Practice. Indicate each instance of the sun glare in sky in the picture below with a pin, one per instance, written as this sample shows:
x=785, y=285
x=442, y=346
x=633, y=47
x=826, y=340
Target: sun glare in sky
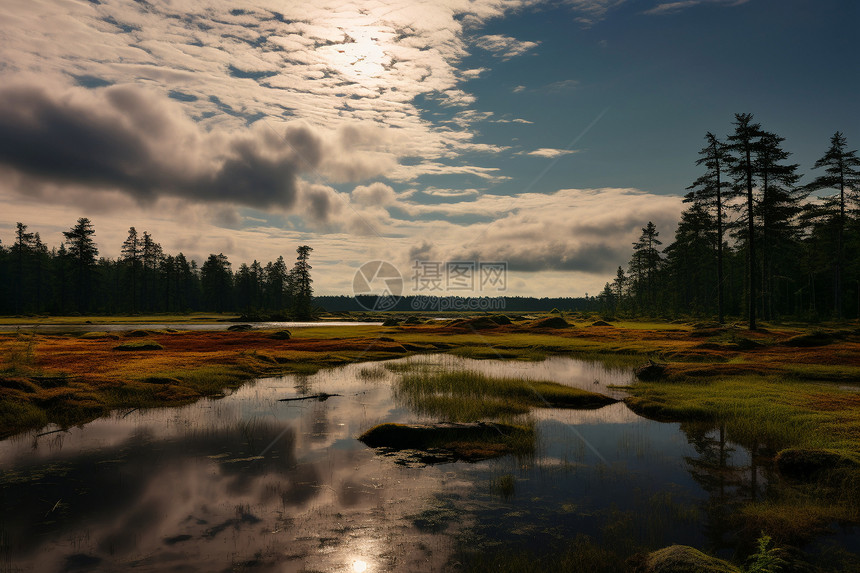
x=361, y=55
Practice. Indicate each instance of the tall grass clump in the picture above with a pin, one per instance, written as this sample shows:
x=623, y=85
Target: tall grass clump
x=463, y=396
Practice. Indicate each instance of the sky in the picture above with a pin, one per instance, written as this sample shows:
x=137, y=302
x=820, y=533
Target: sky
x=538, y=135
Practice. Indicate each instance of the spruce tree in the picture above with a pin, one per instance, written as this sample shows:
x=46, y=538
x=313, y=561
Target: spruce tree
x=842, y=172
x=743, y=144
x=83, y=251
x=711, y=190
x=302, y=284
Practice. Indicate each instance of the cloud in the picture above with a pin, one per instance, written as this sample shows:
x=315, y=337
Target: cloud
x=325, y=66
x=563, y=86
x=551, y=153
x=505, y=47
x=450, y=192
x=133, y=140
x=570, y=230
x=374, y=194
x=675, y=7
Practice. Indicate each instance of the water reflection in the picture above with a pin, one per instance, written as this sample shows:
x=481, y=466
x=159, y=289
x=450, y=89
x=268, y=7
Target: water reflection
x=250, y=482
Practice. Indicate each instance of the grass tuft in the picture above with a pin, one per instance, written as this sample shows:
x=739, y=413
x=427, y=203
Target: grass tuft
x=463, y=396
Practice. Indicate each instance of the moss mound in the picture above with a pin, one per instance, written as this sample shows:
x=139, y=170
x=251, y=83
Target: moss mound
x=810, y=339
x=98, y=336
x=480, y=322
x=239, y=328
x=551, y=322
x=600, y=323
x=281, y=335
x=807, y=464
x=390, y=322
x=139, y=345
x=137, y=334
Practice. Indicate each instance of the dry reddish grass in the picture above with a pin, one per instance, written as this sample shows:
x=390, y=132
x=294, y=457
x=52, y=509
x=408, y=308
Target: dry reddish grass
x=54, y=372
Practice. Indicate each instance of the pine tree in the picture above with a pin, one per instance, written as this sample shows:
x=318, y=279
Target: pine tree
x=302, y=284
x=777, y=209
x=150, y=257
x=83, y=251
x=691, y=282
x=131, y=251
x=216, y=279
x=842, y=172
x=645, y=264
x=743, y=144
x=711, y=190
x=21, y=251
x=41, y=262
x=619, y=285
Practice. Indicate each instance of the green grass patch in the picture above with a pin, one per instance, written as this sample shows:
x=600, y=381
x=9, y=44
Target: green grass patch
x=771, y=414
x=463, y=396
x=760, y=409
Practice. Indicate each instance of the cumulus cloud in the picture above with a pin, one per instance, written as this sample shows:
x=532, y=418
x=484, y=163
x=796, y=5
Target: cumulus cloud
x=126, y=138
x=374, y=194
x=136, y=141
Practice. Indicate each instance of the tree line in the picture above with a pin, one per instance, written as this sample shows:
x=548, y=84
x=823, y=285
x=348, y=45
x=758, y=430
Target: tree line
x=754, y=242
x=72, y=278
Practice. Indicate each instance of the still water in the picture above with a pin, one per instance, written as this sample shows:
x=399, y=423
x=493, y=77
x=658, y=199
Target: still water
x=249, y=483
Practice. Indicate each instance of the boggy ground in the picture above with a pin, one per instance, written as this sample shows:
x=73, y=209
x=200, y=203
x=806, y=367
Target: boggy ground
x=791, y=394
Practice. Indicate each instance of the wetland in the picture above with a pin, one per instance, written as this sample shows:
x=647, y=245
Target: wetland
x=184, y=458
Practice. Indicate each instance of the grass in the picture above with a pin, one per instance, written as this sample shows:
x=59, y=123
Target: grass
x=70, y=380
x=771, y=413
x=775, y=410
x=465, y=396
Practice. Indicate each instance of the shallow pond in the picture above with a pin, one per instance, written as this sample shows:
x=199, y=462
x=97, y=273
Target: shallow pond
x=250, y=483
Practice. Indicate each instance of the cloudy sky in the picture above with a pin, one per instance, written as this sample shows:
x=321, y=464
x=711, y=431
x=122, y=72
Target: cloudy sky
x=539, y=134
